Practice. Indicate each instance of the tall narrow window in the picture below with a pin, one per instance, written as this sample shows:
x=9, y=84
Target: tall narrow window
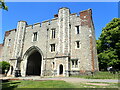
x=52, y=47
x=76, y=63
x=52, y=33
x=35, y=36
x=9, y=42
x=77, y=29
x=72, y=64
x=77, y=44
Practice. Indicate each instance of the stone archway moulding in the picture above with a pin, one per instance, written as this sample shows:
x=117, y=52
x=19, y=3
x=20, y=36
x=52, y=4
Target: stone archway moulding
x=26, y=55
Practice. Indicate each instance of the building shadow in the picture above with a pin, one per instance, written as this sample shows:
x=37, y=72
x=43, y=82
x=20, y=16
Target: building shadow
x=8, y=85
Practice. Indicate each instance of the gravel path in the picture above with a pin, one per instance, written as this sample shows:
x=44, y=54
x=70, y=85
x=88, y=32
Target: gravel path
x=67, y=79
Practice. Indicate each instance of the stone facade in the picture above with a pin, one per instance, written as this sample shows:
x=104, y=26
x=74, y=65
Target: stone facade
x=64, y=45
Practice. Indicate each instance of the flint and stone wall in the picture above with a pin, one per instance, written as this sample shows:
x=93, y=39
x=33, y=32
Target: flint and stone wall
x=18, y=44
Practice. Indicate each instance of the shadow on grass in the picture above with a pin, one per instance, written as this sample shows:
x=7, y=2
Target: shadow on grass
x=8, y=85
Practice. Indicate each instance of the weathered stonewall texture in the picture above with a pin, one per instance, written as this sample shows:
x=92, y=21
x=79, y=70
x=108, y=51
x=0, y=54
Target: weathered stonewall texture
x=70, y=37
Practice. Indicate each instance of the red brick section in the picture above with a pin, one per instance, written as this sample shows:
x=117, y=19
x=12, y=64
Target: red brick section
x=92, y=54
x=56, y=15
x=86, y=17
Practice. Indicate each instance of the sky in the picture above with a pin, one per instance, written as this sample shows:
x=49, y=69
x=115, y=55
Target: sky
x=34, y=12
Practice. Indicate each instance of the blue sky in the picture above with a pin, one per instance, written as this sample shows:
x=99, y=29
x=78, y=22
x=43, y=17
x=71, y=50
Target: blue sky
x=33, y=12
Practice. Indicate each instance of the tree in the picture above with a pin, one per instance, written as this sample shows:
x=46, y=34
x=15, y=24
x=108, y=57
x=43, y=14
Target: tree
x=2, y=5
x=108, y=45
x=4, y=66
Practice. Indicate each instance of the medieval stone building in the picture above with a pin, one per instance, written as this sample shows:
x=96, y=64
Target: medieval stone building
x=64, y=45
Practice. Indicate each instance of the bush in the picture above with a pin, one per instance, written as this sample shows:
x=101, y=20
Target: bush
x=4, y=66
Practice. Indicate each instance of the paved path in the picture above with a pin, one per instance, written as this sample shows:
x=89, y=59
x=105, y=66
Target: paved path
x=67, y=79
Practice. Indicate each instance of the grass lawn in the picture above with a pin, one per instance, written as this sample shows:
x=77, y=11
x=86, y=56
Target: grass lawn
x=100, y=75
x=41, y=84
x=96, y=85
x=44, y=84
x=58, y=84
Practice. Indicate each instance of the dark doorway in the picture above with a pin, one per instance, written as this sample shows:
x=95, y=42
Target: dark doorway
x=61, y=69
x=34, y=64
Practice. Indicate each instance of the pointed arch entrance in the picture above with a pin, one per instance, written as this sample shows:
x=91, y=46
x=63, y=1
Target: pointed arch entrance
x=34, y=64
x=33, y=58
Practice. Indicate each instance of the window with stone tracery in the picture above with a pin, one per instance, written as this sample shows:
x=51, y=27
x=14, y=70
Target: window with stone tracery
x=74, y=63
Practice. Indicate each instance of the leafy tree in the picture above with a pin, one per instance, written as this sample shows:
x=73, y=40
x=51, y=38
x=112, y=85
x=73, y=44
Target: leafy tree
x=2, y=5
x=108, y=45
x=4, y=66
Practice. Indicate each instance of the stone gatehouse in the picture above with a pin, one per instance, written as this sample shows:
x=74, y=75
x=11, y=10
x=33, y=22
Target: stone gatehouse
x=62, y=46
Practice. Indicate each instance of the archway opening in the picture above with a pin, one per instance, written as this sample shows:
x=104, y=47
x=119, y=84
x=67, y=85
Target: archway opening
x=61, y=69
x=34, y=64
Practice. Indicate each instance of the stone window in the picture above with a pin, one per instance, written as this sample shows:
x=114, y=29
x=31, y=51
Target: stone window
x=53, y=64
x=52, y=47
x=74, y=63
x=9, y=42
x=78, y=44
x=52, y=33
x=77, y=29
x=70, y=26
x=35, y=36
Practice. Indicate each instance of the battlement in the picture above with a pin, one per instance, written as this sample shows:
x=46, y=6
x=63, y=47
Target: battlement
x=84, y=15
x=29, y=27
x=8, y=32
x=73, y=14
x=46, y=22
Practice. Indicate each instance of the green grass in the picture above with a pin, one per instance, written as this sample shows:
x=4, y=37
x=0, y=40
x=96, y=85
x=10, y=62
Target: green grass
x=100, y=75
x=44, y=84
x=55, y=84
x=84, y=85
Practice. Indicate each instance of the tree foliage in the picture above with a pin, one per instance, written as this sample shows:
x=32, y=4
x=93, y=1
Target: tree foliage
x=108, y=45
x=2, y=5
x=4, y=66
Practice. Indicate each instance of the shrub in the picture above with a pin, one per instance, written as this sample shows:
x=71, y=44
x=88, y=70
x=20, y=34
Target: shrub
x=4, y=66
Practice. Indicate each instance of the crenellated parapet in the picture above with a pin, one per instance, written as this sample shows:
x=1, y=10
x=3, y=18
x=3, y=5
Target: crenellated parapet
x=42, y=24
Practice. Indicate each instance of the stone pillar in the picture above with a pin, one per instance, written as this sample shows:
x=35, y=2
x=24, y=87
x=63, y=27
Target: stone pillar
x=19, y=42
x=63, y=32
